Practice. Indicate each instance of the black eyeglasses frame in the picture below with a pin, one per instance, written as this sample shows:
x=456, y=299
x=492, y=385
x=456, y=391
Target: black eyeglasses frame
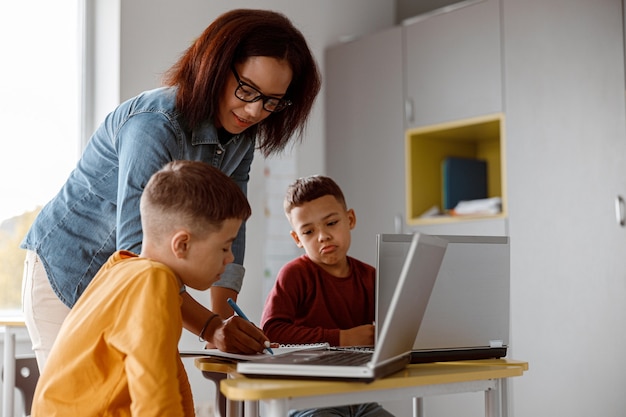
x=281, y=103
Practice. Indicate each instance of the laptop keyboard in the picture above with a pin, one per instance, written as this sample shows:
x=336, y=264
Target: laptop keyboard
x=340, y=357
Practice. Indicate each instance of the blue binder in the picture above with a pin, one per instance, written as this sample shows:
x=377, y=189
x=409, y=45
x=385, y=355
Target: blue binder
x=463, y=179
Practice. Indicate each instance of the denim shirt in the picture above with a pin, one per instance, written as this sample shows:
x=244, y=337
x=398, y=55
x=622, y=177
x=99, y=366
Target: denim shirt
x=96, y=211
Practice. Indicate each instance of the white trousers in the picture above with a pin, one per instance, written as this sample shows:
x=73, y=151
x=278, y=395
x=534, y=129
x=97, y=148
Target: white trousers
x=43, y=310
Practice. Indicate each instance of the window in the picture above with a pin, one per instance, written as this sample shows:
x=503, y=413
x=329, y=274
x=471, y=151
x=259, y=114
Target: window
x=39, y=115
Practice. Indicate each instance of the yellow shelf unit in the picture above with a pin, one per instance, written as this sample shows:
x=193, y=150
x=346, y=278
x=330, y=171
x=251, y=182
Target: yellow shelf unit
x=426, y=148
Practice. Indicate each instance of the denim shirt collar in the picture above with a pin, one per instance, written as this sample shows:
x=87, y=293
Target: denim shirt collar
x=206, y=134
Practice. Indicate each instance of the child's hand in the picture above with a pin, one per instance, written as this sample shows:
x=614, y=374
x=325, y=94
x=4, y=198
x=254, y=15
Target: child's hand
x=237, y=335
x=357, y=336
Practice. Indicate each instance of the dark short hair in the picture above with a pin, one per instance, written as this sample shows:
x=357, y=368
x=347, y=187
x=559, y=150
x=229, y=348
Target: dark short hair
x=201, y=73
x=196, y=192
x=310, y=188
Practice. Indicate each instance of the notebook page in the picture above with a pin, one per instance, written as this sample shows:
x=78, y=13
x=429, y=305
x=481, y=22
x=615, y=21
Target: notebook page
x=281, y=350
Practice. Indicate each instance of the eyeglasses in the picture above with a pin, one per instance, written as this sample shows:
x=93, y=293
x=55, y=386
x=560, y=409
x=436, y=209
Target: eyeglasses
x=245, y=92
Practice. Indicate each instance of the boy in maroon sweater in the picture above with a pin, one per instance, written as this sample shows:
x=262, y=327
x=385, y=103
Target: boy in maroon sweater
x=324, y=295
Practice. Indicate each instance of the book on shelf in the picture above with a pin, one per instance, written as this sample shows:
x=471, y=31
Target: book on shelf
x=463, y=179
x=281, y=350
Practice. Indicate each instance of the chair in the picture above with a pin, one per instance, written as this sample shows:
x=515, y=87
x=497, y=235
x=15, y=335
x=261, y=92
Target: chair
x=26, y=377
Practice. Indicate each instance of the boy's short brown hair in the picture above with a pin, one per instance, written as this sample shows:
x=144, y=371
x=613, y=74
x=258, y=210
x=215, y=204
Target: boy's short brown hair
x=310, y=188
x=194, y=194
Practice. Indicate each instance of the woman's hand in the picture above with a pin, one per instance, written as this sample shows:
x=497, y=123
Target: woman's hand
x=236, y=335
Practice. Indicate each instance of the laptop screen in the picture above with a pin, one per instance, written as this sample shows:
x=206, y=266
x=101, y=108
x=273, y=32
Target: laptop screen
x=469, y=305
x=413, y=281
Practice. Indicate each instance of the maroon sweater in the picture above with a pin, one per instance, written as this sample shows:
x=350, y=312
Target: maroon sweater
x=308, y=305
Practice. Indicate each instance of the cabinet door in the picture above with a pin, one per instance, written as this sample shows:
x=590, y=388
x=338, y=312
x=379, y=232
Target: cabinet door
x=453, y=64
x=364, y=133
x=566, y=136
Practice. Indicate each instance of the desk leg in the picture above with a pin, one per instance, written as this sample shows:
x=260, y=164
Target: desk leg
x=276, y=408
x=492, y=400
x=418, y=407
x=233, y=408
x=504, y=395
x=220, y=400
x=251, y=409
x=9, y=373
x=225, y=408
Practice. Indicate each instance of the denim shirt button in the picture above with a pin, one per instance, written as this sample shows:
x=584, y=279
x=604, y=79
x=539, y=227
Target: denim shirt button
x=219, y=151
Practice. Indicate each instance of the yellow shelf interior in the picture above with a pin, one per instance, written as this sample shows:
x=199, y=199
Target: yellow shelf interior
x=427, y=147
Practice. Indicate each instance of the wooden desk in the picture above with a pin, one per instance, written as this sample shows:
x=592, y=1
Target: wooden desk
x=416, y=381
x=7, y=324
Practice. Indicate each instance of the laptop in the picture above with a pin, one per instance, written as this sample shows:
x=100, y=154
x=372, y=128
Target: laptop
x=468, y=313
x=415, y=279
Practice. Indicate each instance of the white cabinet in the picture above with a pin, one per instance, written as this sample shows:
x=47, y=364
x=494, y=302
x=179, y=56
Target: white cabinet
x=453, y=64
x=453, y=94
x=566, y=151
x=364, y=131
x=446, y=74
x=555, y=70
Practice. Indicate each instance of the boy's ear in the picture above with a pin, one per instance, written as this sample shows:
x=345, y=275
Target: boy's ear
x=351, y=218
x=295, y=238
x=180, y=244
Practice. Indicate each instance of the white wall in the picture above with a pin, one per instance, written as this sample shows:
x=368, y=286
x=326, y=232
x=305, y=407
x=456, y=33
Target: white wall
x=136, y=41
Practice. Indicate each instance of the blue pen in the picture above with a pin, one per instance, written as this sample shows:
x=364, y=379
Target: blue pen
x=240, y=313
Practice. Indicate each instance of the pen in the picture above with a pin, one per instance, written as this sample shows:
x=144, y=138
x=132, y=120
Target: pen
x=243, y=316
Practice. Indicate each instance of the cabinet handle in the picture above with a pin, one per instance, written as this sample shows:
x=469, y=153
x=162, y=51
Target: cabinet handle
x=398, y=224
x=620, y=212
x=408, y=110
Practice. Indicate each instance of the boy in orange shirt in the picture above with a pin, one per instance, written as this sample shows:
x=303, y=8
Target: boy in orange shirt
x=117, y=351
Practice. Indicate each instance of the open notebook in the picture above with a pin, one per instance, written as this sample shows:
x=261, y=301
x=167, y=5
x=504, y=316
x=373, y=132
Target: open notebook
x=281, y=350
x=392, y=353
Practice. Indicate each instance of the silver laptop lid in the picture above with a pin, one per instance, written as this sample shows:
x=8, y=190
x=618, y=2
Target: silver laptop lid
x=415, y=278
x=469, y=304
x=417, y=275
